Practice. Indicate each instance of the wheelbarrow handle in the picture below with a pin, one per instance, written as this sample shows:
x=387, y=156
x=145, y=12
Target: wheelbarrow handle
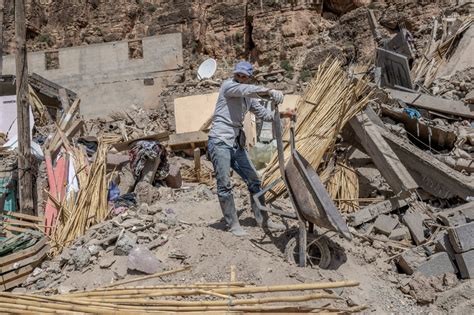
x=279, y=138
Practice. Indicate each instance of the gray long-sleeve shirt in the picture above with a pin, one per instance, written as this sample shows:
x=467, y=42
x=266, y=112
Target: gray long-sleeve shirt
x=234, y=101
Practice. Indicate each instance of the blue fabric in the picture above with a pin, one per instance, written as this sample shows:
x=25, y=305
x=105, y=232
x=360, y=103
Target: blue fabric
x=225, y=157
x=244, y=67
x=114, y=191
x=413, y=113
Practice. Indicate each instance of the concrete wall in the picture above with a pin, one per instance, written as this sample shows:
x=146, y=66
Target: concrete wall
x=104, y=76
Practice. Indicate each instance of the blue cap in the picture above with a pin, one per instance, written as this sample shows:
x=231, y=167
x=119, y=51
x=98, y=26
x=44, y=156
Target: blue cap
x=244, y=67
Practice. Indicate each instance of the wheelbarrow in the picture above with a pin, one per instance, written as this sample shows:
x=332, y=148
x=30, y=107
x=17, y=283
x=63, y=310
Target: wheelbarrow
x=312, y=204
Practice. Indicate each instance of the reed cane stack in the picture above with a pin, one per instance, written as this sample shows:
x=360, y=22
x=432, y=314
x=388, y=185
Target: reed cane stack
x=342, y=185
x=89, y=206
x=192, y=298
x=329, y=102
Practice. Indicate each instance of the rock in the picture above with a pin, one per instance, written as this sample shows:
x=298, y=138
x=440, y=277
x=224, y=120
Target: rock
x=142, y=259
x=125, y=243
x=450, y=280
x=147, y=193
x=119, y=268
x=399, y=234
x=411, y=259
x=94, y=249
x=64, y=258
x=64, y=289
x=174, y=179
x=80, y=257
x=106, y=262
x=161, y=227
x=154, y=209
x=421, y=289
x=132, y=223
x=414, y=222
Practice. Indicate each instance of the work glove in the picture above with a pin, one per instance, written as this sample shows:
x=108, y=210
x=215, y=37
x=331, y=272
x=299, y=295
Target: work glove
x=277, y=96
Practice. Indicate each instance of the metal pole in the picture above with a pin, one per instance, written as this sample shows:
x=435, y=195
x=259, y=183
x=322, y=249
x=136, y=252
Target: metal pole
x=25, y=178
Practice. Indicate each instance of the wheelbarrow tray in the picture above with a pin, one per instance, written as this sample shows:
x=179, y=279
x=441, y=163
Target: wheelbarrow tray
x=312, y=200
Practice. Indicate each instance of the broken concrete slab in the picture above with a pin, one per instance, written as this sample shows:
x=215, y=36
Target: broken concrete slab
x=436, y=265
x=385, y=224
x=414, y=221
x=433, y=103
x=382, y=154
x=106, y=262
x=462, y=237
x=465, y=263
x=372, y=211
x=432, y=175
x=457, y=216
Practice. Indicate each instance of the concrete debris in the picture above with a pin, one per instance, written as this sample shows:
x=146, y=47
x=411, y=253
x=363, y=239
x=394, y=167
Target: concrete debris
x=106, y=262
x=385, y=224
x=143, y=260
x=414, y=221
x=80, y=257
x=399, y=234
x=125, y=243
x=465, y=263
x=462, y=237
x=437, y=264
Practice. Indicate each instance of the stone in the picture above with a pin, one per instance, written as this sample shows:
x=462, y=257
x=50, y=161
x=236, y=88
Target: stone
x=443, y=244
x=462, y=237
x=142, y=259
x=161, y=227
x=154, y=209
x=399, y=234
x=414, y=221
x=469, y=98
x=437, y=264
x=64, y=289
x=421, y=290
x=146, y=193
x=385, y=224
x=80, y=257
x=64, y=258
x=411, y=259
x=131, y=223
x=465, y=263
x=174, y=179
x=119, y=268
x=125, y=243
x=106, y=262
x=94, y=249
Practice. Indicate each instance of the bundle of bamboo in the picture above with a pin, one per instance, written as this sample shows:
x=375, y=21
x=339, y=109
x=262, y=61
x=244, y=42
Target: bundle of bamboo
x=342, y=185
x=328, y=103
x=89, y=205
x=437, y=52
x=218, y=298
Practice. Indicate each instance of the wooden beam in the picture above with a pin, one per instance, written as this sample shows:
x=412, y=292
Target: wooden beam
x=2, y=7
x=188, y=140
x=25, y=172
x=197, y=163
x=382, y=154
x=433, y=103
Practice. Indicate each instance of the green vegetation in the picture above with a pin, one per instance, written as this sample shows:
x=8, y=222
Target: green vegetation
x=305, y=75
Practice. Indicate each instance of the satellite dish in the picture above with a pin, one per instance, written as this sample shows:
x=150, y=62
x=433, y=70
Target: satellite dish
x=207, y=69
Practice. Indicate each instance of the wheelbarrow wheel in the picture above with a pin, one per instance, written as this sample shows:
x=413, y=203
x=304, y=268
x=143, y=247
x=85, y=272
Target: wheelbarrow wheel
x=317, y=250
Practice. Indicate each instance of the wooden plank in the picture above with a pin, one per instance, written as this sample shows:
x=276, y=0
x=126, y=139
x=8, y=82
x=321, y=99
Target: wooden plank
x=122, y=146
x=187, y=140
x=23, y=216
x=384, y=157
x=20, y=223
x=197, y=163
x=16, y=229
x=395, y=68
x=15, y=274
x=433, y=103
x=25, y=175
x=23, y=253
x=14, y=283
x=432, y=175
x=34, y=259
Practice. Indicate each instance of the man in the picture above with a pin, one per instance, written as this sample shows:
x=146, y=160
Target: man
x=226, y=144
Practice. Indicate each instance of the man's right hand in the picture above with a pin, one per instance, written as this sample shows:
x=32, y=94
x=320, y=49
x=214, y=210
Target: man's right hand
x=277, y=96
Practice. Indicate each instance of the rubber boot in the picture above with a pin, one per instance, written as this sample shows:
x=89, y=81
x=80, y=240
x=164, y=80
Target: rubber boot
x=262, y=218
x=230, y=215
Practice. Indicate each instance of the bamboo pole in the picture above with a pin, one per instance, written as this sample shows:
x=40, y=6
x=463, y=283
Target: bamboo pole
x=156, y=275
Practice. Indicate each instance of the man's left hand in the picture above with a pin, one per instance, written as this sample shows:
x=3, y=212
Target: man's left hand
x=288, y=113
